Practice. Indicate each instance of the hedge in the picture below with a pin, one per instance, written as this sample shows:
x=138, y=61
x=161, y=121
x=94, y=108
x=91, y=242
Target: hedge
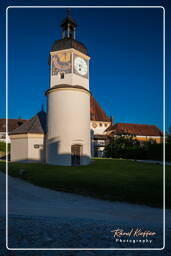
x=3, y=146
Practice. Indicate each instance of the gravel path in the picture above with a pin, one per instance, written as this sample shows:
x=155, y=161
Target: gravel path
x=42, y=218
x=153, y=162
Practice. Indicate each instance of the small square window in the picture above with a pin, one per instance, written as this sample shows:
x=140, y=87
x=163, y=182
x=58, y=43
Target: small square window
x=101, y=124
x=36, y=146
x=62, y=75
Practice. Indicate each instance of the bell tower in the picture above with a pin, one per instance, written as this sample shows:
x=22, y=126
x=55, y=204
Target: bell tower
x=68, y=26
x=68, y=136
x=69, y=58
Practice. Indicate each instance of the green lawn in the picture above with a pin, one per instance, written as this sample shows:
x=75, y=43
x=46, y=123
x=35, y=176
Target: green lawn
x=111, y=179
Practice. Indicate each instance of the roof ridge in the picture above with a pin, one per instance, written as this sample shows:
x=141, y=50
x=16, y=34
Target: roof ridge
x=138, y=124
x=37, y=124
x=97, y=111
x=32, y=122
x=14, y=119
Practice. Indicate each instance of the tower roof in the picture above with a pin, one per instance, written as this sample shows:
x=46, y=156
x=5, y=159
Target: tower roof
x=68, y=40
x=37, y=124
x=67, y=43
x=96, y=112
x=68, y=21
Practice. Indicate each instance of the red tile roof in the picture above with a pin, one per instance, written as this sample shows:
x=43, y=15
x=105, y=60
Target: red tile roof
x=37, y=124
x=96, y=112
x=136, y=129
x=12, y=124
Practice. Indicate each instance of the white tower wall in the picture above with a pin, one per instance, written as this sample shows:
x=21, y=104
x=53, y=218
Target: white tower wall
x=71, y=79
x=68, y=124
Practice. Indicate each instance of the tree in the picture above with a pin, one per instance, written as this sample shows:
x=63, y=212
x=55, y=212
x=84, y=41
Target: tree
x=168, y=136
x=124, y=145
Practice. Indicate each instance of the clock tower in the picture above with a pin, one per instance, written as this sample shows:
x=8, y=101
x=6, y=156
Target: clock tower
x=68, y=126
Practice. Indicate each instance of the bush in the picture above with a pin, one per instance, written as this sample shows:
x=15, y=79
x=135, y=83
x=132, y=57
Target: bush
x=3, y=146
x=135, y=152
x=155, y=151
x=168, y=152
x=125, y=146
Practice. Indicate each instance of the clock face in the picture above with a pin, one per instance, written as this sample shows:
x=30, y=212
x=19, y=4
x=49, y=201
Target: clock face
x=80, y=66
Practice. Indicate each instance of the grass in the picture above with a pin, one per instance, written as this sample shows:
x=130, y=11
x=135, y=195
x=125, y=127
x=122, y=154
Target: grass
x=110, y=179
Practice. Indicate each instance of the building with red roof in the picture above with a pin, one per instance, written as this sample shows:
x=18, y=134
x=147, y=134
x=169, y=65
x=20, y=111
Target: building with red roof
x=75, y=127
x=101, y=127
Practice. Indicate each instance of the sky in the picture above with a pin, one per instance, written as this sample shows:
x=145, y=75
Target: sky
x=126, y=65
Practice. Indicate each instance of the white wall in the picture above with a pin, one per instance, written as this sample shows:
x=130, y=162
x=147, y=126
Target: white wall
x=36, y=154
x=23, y=150
x=71, y=79
x=19, y=149
x=4, y=138
x=68, y=124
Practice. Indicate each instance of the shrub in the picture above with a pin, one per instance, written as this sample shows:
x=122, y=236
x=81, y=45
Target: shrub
x=124, y=146
x=155, y=151
x=168, y=152
x=3, y=146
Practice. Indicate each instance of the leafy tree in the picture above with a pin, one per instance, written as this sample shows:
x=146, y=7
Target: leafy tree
x=124, y=145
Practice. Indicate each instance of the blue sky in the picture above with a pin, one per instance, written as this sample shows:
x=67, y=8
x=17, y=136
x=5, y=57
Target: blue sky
x=125, y=46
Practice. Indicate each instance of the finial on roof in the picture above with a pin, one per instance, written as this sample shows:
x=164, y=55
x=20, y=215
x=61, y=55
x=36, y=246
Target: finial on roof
x=68, y=26
x=68, y=11
x=111, y=119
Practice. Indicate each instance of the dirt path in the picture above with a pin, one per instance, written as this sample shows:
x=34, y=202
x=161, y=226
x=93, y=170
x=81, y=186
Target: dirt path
x=27, y=199
x=49, y=215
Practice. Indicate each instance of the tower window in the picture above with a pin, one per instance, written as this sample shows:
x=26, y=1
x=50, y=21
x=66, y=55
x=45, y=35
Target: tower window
x=36, y=146
x=62, y=75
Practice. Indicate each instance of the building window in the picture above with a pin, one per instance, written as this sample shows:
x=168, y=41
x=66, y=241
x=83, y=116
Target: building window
x=105, y=125
x=62, y=75
x=36, y=146
x=101, y=124
x=94, y=125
